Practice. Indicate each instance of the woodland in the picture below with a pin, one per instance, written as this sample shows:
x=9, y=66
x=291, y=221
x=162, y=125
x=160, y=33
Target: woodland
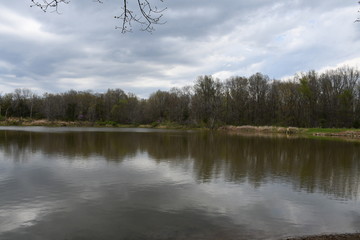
x=311, y=99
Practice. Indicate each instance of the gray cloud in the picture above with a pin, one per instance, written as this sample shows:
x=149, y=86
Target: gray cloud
x=80, y=48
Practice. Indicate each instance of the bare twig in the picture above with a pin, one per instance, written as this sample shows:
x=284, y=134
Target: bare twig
x=358, y=20
x=45, y=5
x=148, y=15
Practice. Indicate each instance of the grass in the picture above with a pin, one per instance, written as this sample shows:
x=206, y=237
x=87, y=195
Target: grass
x=315, y=133
x=330, y=130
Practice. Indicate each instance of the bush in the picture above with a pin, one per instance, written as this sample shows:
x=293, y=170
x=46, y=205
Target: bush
x=154, y=124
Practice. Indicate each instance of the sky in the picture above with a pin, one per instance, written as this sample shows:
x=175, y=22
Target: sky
x=80, y=49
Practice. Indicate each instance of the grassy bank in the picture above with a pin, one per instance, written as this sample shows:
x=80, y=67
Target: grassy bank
x=58, y=123
x=306, y=132
x=345, y=132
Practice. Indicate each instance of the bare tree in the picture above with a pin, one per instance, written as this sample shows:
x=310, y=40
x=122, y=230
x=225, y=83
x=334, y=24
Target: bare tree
x=146, y=15
x=1, y=100
x=45, y=5
x=358, y=19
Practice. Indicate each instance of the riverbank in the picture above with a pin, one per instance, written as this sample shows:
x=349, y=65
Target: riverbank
x=350, y=236
x=263, y=129
x=58, y=123
x=293, y=131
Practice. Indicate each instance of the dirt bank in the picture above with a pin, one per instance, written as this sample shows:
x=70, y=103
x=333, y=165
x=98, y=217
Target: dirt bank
x=353, y=236
x=346, y=134
x=262, y=129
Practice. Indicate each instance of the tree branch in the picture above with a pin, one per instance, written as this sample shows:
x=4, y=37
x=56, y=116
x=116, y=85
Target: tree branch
x=146, y=15
x=358, y=20
x=45, y=5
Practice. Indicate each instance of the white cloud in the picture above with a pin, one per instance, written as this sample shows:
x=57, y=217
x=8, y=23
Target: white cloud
x=223, y=74
x=12, y=23
x=355, y=63
x=199, y=13
x=6, y=65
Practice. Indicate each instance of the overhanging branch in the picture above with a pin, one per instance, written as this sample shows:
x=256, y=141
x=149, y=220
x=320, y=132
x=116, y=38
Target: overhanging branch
x=146, y=15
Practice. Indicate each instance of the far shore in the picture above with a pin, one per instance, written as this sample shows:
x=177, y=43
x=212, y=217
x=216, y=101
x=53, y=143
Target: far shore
x=294, y=131
x=241, y=130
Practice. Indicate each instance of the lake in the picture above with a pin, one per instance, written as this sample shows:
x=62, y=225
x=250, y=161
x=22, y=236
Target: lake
x=111, y=183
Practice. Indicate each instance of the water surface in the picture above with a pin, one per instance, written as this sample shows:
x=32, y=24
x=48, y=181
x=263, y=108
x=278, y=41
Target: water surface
x=87, y=183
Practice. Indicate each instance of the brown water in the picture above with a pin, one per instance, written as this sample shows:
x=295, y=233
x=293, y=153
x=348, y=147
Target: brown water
x=84, y=183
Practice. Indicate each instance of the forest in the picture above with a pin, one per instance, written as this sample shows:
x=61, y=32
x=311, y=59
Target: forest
x=310, y=99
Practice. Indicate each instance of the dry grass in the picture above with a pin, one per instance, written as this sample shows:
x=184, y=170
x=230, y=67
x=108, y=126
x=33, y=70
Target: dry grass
x=42, y=122
x=261, y=129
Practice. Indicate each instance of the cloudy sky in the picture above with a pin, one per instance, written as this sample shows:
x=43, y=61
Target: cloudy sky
x=80, y=48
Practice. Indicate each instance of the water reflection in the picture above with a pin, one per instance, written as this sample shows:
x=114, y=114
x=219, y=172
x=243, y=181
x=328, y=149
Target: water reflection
x=331, y=167
x=73, y=184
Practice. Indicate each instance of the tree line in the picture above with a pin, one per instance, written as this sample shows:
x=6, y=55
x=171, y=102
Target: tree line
x=311, y=99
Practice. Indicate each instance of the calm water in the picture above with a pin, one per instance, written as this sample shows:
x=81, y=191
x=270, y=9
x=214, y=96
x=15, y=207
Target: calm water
x=71, y=183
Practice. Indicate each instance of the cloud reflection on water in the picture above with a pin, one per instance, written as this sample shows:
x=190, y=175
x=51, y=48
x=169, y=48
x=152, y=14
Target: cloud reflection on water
x=174, y=185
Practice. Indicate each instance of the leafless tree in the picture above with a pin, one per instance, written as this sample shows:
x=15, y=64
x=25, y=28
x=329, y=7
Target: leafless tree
x=358, y=20
x=146, y=15
x=46, y=5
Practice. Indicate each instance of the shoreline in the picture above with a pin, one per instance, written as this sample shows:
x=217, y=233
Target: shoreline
x=333, y=133
x=342, y=236
x=325, y=133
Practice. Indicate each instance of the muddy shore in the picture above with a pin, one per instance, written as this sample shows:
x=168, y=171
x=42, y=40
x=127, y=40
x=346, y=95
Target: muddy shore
x=352, y=236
